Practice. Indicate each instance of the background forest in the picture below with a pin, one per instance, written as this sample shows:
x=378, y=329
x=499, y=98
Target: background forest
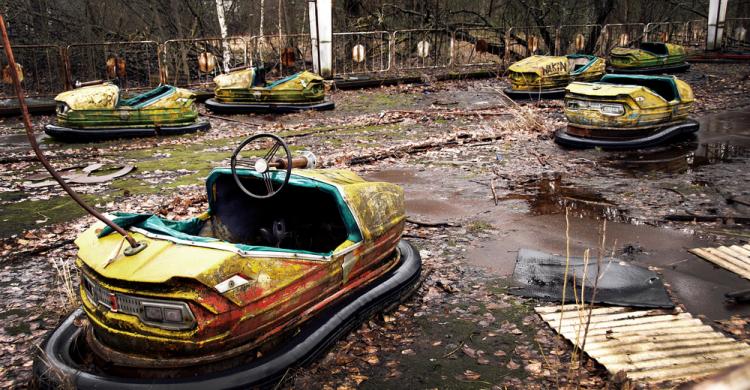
x=67, y=21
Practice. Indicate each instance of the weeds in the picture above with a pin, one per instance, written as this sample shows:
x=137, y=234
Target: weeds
x=66, y=286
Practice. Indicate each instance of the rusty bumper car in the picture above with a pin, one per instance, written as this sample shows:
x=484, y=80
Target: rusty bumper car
x=245, y=91
x=282, y=264
x=97, y=112
x=649, y=58
x=626, y=112
x=545, y=77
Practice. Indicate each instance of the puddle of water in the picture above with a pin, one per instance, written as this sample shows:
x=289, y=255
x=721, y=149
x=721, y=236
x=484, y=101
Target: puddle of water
x=723, y=137
x=696, y=283
x=551, y=196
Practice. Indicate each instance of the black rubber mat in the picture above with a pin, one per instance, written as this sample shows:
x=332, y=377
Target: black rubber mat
x=541, y=275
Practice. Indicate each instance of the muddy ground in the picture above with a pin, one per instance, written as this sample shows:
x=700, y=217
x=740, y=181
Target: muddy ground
x=448, y=144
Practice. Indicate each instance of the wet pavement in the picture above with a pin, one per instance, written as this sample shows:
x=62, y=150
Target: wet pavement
x=468, y=243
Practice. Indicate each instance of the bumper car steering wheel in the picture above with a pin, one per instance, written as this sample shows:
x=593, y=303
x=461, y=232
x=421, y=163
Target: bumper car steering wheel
x=268, y=150
x=270, y=156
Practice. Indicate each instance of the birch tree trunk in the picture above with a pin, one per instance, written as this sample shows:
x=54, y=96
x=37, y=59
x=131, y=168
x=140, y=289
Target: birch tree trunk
x=223, y=30
x=262, y=16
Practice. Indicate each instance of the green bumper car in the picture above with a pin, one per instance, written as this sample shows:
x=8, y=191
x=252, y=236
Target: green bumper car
x=245, y=91
x=97, y=112
x=649, y=58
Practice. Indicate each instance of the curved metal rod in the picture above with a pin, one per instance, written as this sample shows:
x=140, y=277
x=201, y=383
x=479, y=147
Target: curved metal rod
x=35, y=145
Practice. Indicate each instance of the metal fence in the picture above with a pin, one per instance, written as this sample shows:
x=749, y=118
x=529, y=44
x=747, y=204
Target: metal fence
x=577, y=39
x=422, y=49
x=195, y=62
x=135, y=65
x=41, y=69
x=361, y=52
x=736, y=37
x=522, y=42
x=478, y=47
x=49, y=69
x=281, y=55
x=695, y=35
x=667, y=32
x=624, y=34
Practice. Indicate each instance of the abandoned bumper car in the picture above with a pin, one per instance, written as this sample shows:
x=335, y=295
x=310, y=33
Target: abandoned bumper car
x=97, y=112
x=626, y=112
x=540, y=77
x=282, y=264
x=648, y=58
x=246, y=91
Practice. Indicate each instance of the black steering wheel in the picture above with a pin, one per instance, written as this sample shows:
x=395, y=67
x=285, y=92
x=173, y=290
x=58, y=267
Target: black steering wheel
x=264, y=149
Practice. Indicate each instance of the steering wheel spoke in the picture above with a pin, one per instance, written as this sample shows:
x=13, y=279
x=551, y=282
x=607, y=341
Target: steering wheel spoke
x=268, y=182
x=264, y=166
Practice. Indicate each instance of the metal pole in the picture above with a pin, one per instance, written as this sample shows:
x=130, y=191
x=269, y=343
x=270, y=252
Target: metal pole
x=135, y=247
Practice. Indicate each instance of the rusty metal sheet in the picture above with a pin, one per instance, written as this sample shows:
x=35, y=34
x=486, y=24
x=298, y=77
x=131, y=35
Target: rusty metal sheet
x=734, y=258
x=650, y=346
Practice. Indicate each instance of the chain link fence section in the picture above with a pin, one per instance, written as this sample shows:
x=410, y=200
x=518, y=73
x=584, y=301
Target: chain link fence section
x=736, y=37
x=135, y=65
x=479, y=47
x=281, y=55
x=666, y=32
x=361, y=52
x=195, y=62
x=522, y=42
x=422, y=49
x=695, y=35
x=619, y=35
x=41, y=68
x=577, y=39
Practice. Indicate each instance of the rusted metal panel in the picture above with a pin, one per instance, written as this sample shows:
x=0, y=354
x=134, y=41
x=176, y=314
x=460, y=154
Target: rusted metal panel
x=734, y=258
x=652, y=346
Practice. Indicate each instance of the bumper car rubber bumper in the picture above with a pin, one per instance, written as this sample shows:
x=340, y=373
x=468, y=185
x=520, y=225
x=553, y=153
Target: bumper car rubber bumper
x=105, y=133
x=265, y=108
x=673, y=68
x=554, y=93
x=55, y=366
x=661, y=136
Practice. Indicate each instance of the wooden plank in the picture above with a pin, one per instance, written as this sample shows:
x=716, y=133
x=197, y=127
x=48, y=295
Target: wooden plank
x=736, y=254
x=663, y=343
x=665, y=333
x=555, y=319
x=729, y=258
x=741, y=249
x=675, y=361
x=639, y=328
x=615, y=325
x=719, y=262
x=687, y=372
x=650, y=345
x=645, y=358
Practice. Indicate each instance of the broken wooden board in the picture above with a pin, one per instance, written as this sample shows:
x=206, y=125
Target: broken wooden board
x=734, y=258
x=650, y=346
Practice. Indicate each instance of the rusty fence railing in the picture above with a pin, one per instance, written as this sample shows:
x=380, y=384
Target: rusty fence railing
x=621, y=34
x=281, y=55
x=696, y=32
x=135, y=64
x=42, y=71
x=195, y=62
x=522, y=42
x=478, y=47
x=736, y=36
x=667, y=32
x=422, y=49
x=49, y=69
x=577, y=39
x=361, y=52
